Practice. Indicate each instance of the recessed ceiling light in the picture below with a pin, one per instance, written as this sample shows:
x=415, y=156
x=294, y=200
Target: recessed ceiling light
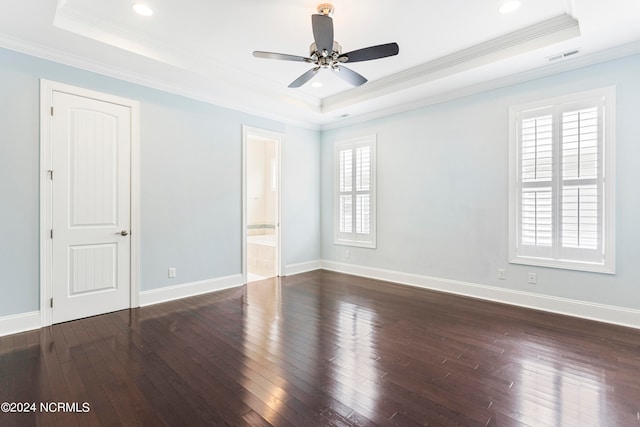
x=142, y=9
x=509, y=6
x=316, y=84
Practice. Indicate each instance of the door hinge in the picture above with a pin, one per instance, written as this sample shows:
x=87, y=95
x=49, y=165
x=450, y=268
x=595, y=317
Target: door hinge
x=51, y=233
x=52, y=110
x=51, y=303
x=50, y=174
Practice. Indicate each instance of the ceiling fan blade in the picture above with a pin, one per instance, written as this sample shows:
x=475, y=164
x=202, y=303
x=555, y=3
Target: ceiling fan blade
x=372, y=52
x=350, y=76
x=323, y=32
x=281, y=56
x=304, y=78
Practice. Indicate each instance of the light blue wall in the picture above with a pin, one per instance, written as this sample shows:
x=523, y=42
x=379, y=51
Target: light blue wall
x=442, y=186
x=190, y=182
x=19, y=197
x=302, y=186
x=443, y=189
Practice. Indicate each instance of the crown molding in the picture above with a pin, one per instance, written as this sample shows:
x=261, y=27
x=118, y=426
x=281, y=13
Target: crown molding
x=310, y=112
x=539, y=35
x=610, y=54
x=62, y=57
x=183, y=57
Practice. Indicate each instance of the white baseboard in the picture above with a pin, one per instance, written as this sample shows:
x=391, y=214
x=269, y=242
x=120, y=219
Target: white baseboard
x=587, y=310
x=303, y=267
x=604, y=313
x=19, y=323
x=170, y=293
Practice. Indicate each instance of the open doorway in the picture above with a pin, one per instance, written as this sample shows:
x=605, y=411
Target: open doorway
x=261, y=204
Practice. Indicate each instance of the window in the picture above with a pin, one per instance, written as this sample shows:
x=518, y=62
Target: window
x=561, y=182
x=355, y=206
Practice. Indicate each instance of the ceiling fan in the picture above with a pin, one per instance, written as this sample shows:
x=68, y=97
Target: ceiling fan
x=325, y=52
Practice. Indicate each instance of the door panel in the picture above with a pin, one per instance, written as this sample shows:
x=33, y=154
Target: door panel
x=92, y=268
x=93, y=169
x=91, y=206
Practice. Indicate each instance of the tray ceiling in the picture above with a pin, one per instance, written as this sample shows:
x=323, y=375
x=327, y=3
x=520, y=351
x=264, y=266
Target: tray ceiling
x=202, y=49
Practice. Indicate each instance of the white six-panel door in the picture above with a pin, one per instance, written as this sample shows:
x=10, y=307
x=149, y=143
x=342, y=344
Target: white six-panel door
x=91, y=206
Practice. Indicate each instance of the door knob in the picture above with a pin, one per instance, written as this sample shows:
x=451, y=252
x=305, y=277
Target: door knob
x=123, y=233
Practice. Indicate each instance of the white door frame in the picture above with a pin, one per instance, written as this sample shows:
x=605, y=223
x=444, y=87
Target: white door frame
x=47, y=88
x=279, y=139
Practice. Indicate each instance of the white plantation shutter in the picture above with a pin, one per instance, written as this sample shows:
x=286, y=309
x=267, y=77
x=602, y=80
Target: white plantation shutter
x=345, y=165
x=363, y=188
x=536, y=202
x=536, y=217
x=346, y=214
x=355, y=197
x=582, y=186
x=561, y=203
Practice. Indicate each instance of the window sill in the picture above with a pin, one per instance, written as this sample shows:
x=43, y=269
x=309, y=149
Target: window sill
x=565, y=265
x=355, y=243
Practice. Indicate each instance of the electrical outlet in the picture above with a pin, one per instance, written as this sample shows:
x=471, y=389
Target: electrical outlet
x=172, y=273
x=502, y=274
x=347, y=253
x=532, y=278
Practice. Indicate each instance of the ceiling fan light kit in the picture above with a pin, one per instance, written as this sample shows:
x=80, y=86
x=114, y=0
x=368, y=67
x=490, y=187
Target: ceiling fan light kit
x=325, y=52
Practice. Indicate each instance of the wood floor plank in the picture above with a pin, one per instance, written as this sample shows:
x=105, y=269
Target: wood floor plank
x=95, y=393
x=326, y=349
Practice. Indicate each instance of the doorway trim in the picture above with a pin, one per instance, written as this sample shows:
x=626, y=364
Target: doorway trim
x=279, y=140
x=47, y=88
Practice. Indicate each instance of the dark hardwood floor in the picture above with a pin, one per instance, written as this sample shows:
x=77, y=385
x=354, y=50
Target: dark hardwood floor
x=323, y=348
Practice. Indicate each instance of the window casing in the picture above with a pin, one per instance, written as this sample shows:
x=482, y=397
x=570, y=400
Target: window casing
x=355, y=195
x=562, y=182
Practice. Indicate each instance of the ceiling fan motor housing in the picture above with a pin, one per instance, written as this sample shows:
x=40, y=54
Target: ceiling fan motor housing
x=336, y=51
x=332, y=59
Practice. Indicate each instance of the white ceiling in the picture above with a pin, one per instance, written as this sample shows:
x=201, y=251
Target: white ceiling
x=202, y=48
